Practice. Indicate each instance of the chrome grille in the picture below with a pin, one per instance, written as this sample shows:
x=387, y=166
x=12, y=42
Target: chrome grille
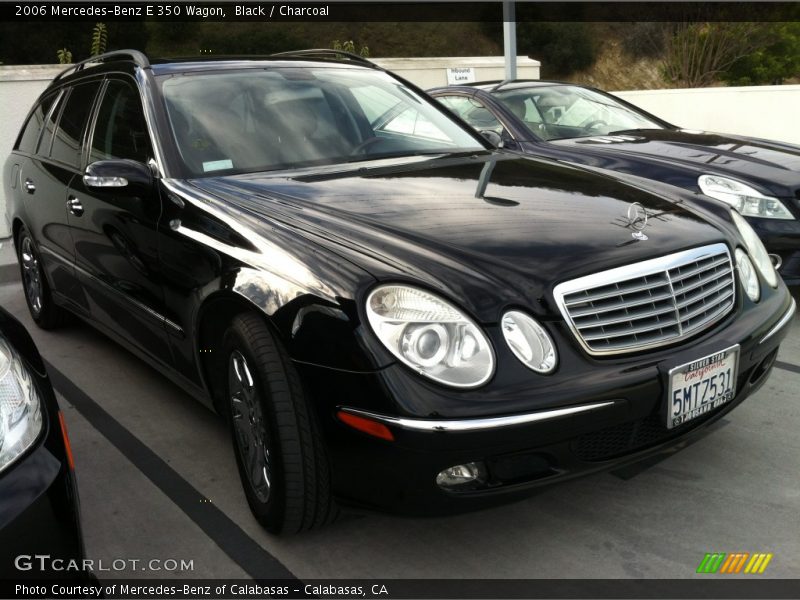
x=650, y=303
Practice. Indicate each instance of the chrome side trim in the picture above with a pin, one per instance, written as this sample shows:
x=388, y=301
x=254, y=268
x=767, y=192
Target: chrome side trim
x=177, y=329
x=476, y=424
x=785, y=319
x=56, y=255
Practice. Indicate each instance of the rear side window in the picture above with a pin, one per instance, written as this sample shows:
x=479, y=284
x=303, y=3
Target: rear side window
x=120, y=130
x=46, y=141
x=69, y=133
x=30, y=133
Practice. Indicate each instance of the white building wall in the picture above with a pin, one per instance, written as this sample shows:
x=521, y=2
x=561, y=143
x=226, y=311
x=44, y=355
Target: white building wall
x=771, y=112
x=432, y=71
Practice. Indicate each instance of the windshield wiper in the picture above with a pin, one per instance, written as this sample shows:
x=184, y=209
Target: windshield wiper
x=634, y=130
x=436, y=153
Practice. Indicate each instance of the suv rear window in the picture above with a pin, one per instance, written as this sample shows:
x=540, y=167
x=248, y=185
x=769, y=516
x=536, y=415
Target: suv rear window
x=26, y=142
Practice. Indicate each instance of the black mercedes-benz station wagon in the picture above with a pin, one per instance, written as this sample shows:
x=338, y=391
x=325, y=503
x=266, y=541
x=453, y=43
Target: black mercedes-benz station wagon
x=760, y=178
x=40, y=534
x=391, y=313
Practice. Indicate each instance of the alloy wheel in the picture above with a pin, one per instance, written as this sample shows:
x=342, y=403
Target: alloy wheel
x=249, y=426
x=32, y=275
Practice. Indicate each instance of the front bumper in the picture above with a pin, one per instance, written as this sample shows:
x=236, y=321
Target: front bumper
x=556, y=439
x=39, y=514
x=781, y=237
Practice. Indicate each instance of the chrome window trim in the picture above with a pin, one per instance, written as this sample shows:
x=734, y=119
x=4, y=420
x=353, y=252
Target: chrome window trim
x=147, y=95
x=641, y=269
x=449, y=425
x=785, y=319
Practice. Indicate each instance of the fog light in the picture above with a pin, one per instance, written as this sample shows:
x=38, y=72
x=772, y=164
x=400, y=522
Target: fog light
x=469, y=475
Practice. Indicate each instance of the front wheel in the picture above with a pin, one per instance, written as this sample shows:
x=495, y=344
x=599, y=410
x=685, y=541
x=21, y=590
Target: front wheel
x=279, y=451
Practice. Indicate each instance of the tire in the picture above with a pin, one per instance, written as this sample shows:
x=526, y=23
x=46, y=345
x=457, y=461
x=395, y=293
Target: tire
x=44, y=311
x=280, y=455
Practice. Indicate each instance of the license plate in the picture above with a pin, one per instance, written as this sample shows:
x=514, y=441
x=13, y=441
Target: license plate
x=700, y=386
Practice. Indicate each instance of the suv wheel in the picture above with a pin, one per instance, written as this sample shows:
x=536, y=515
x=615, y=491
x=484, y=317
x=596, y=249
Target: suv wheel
x=34, y=284
x=280, y=455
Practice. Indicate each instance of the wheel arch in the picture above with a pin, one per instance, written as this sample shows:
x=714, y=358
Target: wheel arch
x=213, y=318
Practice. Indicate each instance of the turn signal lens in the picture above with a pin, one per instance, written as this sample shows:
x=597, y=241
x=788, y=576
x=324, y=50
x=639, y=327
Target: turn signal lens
x=67, y=446
x=368, y=426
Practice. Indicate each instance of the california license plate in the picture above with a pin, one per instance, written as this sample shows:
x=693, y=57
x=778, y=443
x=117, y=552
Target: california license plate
x=700, y=386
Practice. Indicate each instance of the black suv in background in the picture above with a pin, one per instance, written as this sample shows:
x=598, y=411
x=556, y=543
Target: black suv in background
x=583, y=125
x=389, y=311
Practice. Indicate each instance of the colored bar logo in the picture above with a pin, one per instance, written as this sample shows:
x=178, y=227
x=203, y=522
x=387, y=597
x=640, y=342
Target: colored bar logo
x=735, y=563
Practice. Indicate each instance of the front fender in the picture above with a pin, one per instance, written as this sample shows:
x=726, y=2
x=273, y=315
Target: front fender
x=307, y=292
x=319, y=328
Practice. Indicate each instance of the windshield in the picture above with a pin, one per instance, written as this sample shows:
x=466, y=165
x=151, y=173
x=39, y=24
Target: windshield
x=282, y=118
x=566, y=111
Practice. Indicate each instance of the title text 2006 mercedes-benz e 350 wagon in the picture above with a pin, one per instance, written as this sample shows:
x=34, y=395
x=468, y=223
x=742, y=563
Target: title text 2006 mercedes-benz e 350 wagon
x=391, y=313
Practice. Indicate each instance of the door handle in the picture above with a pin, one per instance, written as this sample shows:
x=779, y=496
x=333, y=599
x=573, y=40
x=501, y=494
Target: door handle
x=75, y=206
x=30, y=187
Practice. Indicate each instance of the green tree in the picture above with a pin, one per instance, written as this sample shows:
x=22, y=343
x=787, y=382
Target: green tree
x=64, y=56
x=697, y=54
x=563, y=48
x=99, y=39
x=350, y=46
x=773, y=63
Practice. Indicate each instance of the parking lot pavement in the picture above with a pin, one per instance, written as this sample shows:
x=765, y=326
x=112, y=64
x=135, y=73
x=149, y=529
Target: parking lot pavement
x=158, y=481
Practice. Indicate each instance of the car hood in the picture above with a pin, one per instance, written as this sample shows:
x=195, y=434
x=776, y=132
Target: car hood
x=488, y=230
x=773, y=165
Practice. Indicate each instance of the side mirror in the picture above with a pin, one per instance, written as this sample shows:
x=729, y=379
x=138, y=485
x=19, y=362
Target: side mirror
x=492, y=137
x=126, y=176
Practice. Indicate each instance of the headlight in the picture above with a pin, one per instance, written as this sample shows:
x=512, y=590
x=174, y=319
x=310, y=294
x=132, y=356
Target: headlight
x=529, y=341
x=756, y=250
x=748, y=201
x=20, y=408
x=747, y=273
x=430, y=335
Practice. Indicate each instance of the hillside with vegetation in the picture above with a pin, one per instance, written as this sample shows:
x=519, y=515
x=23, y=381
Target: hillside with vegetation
x=615, y=56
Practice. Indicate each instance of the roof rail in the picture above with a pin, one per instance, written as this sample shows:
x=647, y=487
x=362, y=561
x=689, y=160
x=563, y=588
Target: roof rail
x=501, y=84
x=327, y=53
x=509, y=81
x=138, y=57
